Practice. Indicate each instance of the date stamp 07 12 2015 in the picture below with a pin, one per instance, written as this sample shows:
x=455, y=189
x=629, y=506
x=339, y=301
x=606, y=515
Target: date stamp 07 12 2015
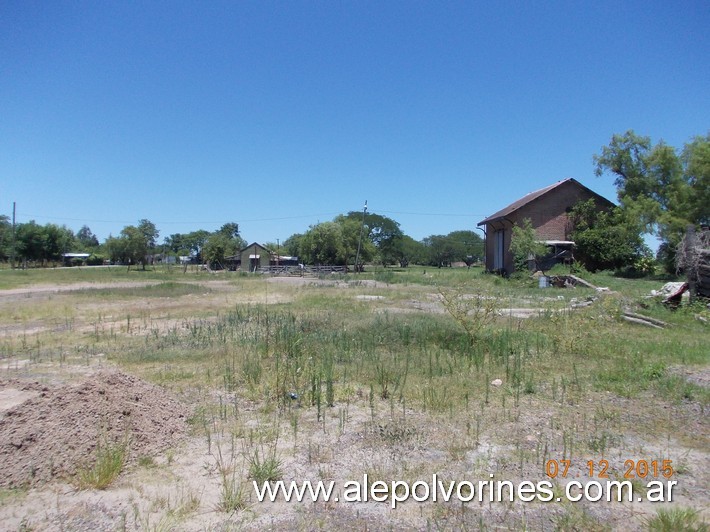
x=641, y=469
x=656, y=474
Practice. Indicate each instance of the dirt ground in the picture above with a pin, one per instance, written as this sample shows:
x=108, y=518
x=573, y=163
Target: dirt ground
x=53, y=415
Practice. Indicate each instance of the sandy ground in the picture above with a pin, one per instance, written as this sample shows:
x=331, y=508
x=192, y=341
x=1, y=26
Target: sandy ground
x=15, y=294
x=52, y=416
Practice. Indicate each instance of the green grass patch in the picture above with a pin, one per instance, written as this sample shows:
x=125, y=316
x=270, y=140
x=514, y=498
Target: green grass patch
x=110, y=459
x=164, y=289
x=677, y=520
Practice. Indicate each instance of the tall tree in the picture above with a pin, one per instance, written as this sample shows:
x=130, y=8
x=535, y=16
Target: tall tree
x=468, y=246
x=217, y=247
x=351, y=231
x=383, y=232
x=176, y=243
x=696, y=163
x=323, y=244
x=410, y=251
x=224, y=242
x=292, y=245
x=230, y=230
x=150, y=233
x=439, y=250
x=5, y=237
x=138, y=242
x=30, y=241
x=86, y=239
x=664, y=189
x=116, y=249
x=58, y=240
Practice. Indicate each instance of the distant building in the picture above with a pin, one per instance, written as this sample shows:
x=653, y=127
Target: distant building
x=284, y=260
x=254, y=257
x=548, y=210
x=75, y=258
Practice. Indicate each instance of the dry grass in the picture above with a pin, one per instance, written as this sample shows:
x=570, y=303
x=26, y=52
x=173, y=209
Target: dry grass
x=341, y=377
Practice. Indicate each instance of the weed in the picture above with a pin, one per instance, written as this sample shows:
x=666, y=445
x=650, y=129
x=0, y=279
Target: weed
x=110, y=459
x=576, y=518
x=264, y=468
x=677, y=520
x=233, y=495
x=472, y=313
x=395, y=432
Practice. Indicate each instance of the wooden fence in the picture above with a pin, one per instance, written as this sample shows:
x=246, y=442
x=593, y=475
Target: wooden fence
x=302, y=271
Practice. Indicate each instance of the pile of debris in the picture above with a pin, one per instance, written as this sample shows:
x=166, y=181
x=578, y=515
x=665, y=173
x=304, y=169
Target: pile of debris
x=565, y=281
x=50, y=432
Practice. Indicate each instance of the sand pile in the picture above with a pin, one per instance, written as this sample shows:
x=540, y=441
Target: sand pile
x=55, y=430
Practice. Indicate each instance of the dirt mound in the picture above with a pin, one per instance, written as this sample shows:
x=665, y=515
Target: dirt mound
x=57, y=430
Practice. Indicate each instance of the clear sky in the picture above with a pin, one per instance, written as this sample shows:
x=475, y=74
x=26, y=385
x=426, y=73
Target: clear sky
x=280, y=115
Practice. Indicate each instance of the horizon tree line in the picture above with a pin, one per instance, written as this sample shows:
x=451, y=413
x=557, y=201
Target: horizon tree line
x=661, y=190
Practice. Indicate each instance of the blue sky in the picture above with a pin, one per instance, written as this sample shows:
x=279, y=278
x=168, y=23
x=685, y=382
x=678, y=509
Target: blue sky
x=279, y=115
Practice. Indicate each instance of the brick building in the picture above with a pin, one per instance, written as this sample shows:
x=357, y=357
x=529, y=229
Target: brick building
x=548, y=210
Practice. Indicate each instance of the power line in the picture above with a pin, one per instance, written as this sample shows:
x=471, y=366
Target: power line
x=242, y=220
x=189, y=222
x=434, y=214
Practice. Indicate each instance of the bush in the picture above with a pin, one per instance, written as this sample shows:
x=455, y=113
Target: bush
x=95, y=260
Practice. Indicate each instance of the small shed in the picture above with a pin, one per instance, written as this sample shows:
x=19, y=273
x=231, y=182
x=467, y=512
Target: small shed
x=75, y=258
x=254, y=257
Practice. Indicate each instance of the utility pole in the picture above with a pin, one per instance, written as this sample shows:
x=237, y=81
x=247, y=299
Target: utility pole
x=359, y=242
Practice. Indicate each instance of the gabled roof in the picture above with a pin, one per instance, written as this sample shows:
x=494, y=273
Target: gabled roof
x=254, y=244
x=532, y=196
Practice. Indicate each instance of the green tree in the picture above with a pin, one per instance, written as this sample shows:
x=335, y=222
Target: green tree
x=230, y=230
x=137, y=242
x=525, y=246
x=149, y=232
x=457, y=246
x=176, y=243
x=661, y=188
x=57, y=241
x=696, y=164
x=467, y=246
x=217, y=247
x=225, y=242
x=5, y=237
x=323, y=244
x=350, y=229
x=189, y=243
x=30, y=241
x=292, y=245
x=383, y=232
x=440, y=252
x=115, y=249
x=606, y=240
x=195, y=241
x=134, y=247
x=86, y=239
x=410, y=251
